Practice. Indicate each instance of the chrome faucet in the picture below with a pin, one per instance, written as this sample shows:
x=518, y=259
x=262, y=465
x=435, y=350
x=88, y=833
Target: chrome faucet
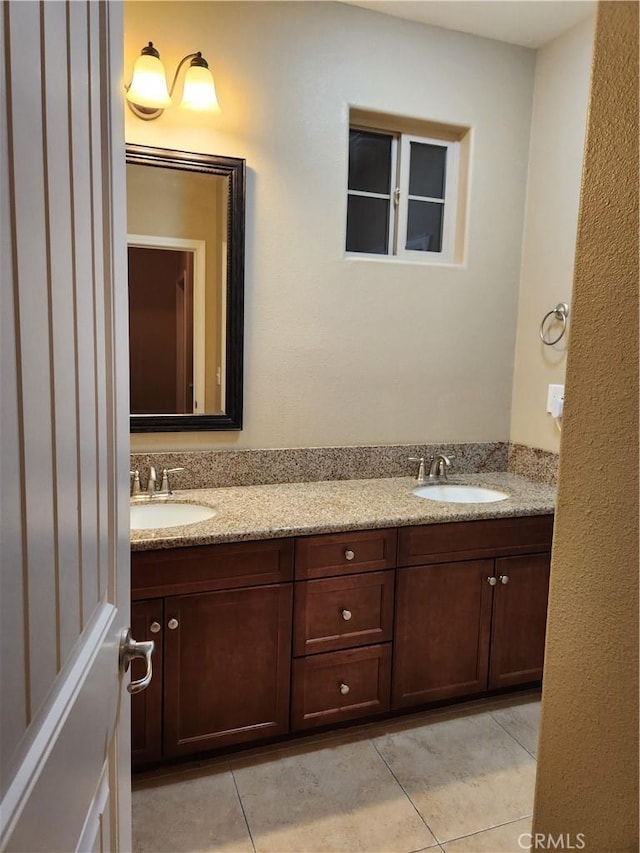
x=439, y=467
x=153, y=491
x=152, y=481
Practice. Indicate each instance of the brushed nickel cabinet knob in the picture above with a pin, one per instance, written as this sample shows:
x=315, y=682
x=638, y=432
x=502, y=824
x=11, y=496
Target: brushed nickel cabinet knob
x=344, y=689
x=349, y=554
x=504, y=578
x=492, y=581
x=155, y=627
x=346, y=615
x=172, y=624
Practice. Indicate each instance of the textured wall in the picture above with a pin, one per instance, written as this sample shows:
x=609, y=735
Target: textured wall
x=352, y=351
x=558, y=123
x=588, y=756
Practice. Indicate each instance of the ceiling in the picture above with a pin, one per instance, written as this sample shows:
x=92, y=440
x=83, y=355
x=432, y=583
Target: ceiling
x=530, y=23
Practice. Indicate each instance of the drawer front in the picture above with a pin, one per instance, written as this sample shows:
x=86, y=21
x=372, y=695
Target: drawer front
x=203, y=568
x=463, y=540
x=341, y=613
x=340, y=686
x=345, y=553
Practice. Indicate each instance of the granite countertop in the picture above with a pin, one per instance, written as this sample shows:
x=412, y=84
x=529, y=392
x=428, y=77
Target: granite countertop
x=296, y=509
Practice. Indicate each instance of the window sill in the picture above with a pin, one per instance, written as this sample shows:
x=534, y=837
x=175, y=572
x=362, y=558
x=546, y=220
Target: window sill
x=360, y=257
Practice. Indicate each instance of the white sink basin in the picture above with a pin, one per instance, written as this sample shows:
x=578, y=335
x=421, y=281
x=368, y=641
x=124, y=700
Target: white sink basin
x=459, y=494
x=152, y=516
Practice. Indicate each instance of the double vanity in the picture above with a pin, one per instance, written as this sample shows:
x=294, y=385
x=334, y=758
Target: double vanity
x=291, y=607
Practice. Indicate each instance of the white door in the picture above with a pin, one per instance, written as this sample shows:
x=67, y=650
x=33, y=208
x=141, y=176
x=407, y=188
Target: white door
x=64, y=726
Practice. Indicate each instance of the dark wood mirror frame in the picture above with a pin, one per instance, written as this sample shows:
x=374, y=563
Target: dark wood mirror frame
x=232, y=168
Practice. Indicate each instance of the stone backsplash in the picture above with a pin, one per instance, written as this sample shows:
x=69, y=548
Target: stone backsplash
x=533, y=463
x=214, y=468
x=206, y=469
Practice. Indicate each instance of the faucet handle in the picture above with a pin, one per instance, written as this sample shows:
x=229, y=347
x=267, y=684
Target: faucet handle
x=165, y=487
x=421, y=476
x=135, y=486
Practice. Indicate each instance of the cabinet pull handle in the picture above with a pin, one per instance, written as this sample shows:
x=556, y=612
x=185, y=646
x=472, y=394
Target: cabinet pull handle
x=155, y=627
x=172, y=624
x=344, y=688
x=346, y=615
x=349, y=554
x=492, y=581
x=504, y=578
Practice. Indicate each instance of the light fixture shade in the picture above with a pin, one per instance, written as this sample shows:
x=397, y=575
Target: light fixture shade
x=199, y=92
x=149, y=84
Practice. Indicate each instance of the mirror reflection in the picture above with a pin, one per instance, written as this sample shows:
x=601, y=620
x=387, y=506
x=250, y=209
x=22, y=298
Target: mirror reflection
x=185, y=224
x=177, y=227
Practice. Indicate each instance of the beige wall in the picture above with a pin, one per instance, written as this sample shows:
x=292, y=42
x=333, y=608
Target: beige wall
x=588, y=756
x=353, y=351
x=562, y=79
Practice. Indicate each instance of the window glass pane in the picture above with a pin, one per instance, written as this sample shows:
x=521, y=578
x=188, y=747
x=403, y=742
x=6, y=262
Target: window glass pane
x=367, y=225
x=424, y=226
x=427, y=170
x=369, y=161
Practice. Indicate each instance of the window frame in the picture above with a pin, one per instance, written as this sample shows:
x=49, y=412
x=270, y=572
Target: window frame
x=399, y=197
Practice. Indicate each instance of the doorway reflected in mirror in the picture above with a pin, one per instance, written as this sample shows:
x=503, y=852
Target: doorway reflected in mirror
x=185, y=223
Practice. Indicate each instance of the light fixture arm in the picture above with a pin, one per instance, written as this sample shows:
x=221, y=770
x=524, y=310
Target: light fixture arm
x=197, y=55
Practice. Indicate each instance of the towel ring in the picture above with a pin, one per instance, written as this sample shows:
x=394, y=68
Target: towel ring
x=560, y=313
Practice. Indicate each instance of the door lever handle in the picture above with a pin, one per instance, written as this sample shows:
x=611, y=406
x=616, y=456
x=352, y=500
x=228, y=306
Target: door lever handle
x=130, y=650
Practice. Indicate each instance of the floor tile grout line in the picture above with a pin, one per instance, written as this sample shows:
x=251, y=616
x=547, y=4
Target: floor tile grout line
x=244, y=814
x=504, y=728
x=384, y=761
x=488, y=829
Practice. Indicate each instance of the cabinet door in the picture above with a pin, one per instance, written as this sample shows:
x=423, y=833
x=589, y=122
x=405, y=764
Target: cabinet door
x=443, y=615
x=519, y=620
x=227, y=667
x=146, y=707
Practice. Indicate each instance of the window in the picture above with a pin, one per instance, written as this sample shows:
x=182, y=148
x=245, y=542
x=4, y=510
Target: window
x=401, y=195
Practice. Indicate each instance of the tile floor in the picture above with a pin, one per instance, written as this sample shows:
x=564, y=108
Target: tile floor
x=458, y=780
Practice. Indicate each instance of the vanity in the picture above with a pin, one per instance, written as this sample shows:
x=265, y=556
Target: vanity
x=303, y=606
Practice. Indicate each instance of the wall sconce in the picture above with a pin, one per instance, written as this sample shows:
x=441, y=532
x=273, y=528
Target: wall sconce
x=148, y=96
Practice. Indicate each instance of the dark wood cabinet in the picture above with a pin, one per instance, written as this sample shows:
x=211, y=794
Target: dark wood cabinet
x=464, y=626
x=256, y=639
x=441, y=642
x=227, y=667
x=222, y=660
x=519, y=620
x=146, y=707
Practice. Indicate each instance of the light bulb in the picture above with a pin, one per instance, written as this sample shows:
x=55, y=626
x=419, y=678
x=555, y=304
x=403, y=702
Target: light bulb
x=148, y=87
x=199, y=92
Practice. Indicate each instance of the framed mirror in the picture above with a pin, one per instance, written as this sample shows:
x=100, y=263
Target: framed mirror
x=185, y=236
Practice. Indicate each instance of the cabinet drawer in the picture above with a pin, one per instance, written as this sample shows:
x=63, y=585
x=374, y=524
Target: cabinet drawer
x=345, y=553
x=210, y=567
x=462, y=540
x=340, y=686
x=340, y=613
